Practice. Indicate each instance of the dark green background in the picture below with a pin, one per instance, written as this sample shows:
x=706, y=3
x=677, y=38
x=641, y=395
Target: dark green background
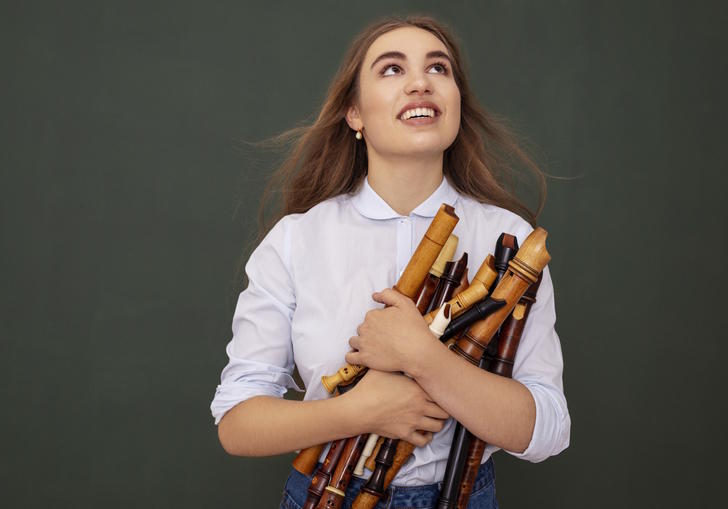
x=128, y=197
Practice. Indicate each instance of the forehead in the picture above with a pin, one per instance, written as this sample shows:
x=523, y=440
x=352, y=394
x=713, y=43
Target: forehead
x=411, y=41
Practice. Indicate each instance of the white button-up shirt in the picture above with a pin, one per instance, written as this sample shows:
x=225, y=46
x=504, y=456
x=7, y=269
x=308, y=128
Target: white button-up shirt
x=310, y=284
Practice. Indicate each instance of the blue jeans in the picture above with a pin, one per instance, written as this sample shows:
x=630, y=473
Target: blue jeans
x=397, y=497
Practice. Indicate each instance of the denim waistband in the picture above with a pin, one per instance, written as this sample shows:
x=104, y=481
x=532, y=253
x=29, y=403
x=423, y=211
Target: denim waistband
x=482, y=497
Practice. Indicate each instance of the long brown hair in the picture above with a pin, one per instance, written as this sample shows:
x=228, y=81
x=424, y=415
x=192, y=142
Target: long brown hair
x=326, y=160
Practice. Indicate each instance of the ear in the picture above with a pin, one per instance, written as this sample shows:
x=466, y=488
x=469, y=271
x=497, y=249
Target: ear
x=353, y=118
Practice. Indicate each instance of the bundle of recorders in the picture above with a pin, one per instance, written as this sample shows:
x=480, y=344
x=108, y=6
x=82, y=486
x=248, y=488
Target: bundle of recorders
x=467, y=322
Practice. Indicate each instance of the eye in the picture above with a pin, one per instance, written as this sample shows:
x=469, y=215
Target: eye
x=440, y=67
x=386, y=70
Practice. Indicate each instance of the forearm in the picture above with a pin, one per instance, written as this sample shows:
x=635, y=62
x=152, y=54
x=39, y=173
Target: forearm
x=264, y=426
x=496, y=409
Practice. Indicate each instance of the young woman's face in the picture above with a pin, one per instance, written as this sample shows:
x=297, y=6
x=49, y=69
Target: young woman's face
x=408, y=102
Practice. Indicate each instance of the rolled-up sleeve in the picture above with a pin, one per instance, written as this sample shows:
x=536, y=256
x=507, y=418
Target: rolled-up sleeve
x=260, y=352
x=539, y=366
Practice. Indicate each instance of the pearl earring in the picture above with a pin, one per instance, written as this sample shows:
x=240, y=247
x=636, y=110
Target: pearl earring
x=358, y=135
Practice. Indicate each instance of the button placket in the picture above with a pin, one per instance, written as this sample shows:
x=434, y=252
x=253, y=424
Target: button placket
x=404, y=243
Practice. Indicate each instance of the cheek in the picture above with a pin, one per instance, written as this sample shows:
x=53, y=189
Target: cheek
x=457, y=120
x=377, y=100
x=376, y=110
x=456, y=110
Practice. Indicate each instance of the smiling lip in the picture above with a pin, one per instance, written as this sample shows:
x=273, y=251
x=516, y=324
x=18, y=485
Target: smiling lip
x=420, y=104
x=419, y=121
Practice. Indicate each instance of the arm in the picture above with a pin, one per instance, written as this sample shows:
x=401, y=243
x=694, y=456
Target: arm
x=525, y=415
x=253, y=418
x=444, y=375
x=499, y=410
x=263, y=426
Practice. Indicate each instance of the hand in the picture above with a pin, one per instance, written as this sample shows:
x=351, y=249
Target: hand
x=389, y=339
x=395, y=406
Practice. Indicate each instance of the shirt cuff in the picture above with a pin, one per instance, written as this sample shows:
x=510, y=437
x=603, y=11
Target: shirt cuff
x=243, y=380
x=551, y=430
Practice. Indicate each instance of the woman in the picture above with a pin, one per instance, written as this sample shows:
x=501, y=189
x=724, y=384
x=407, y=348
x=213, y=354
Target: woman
x=399, y=134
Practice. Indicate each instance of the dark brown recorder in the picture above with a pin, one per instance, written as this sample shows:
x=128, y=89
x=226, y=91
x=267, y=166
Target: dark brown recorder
x=408, y=284
x=468, y=294
x=501, y=364
x=462, y=442
x=505, y=249
x=323, y=475
x=335, y=492
x=523, y=271
x=449, y=281
x=322, y=478
x=433, y=277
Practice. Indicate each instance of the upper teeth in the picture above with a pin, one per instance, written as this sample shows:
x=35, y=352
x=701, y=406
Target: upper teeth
x=418, y=112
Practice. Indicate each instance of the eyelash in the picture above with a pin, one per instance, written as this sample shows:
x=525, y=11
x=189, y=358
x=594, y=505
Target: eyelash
x=446, y=69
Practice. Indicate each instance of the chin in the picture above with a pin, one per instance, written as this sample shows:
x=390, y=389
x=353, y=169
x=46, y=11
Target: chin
x=414, y=146
x=426, y=145
x=427, y=149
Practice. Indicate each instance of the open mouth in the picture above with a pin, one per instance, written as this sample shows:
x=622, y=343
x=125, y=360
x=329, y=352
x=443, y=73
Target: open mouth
x=418, y=113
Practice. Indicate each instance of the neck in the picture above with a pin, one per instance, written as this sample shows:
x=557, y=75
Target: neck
x=404, y=183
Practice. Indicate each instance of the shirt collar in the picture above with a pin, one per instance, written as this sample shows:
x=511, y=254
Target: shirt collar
x=369, y=204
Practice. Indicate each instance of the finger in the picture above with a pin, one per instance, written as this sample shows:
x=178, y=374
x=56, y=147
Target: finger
x=353, y=357
x=369, y=315
x=390, y=297
x=430, y=424
x=433, y=410
x=355, y=342
x=420, y=438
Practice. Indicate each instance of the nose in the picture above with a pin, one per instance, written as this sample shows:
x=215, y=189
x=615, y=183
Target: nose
x=419, y=83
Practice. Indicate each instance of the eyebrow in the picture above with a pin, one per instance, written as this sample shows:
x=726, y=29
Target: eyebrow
x=401, y=56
